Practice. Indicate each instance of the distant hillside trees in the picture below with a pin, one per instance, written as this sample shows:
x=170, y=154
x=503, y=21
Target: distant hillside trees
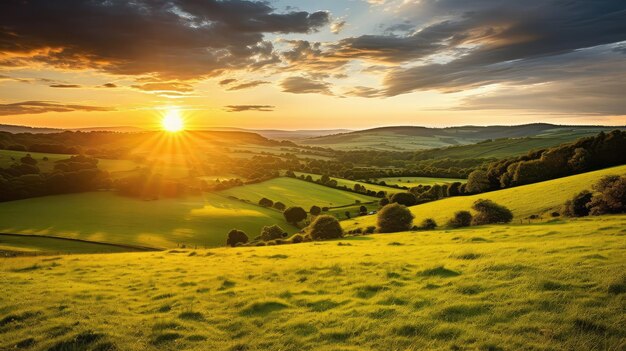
x=477, y=182
x=265, y=202
x=403, y=198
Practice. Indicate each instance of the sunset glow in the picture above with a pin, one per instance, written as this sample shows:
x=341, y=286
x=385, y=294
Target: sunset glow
x=173, y=121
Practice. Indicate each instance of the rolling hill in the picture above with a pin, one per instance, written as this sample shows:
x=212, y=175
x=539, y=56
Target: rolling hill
x=519, y=139
x=523, y=201
x=556, y=286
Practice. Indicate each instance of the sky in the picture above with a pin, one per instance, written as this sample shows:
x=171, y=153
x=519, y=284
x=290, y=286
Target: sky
x=324, y=64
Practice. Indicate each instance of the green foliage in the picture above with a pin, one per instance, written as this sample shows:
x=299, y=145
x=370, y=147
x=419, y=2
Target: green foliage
x=477, y=182
x=315, y=210
x=279, y=206
x=325, y=227
x=406, y=199
x=577, y=206
x=610, y=196
x=490, y=212
x=394, y=218
x=428, y=224
x=265, y=202
x=461, y=219
x=272, y=232
x=295, y=214
x=236, y=237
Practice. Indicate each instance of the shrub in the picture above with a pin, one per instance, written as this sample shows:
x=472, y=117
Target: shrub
x=461, y=219
x=428, y=224
x=610, y=196
x=406, y=199
x=279, y=206
x=555, y=214
x=490, y=212
x=315, y=210
x=294, y=215
x=236, y=237
x=383, y=202
x=394, y=218
x=325, y=227
x=577, y=206
x=265, y=202
x=272, y=232
x=362, y=210
x=297, y=238
x=370, y=230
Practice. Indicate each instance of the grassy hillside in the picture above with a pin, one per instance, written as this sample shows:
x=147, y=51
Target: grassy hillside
x=295, y=192
x=519, y=139
x=556, y=286
x=524, y=201
x=415, y=181
x=165, y=223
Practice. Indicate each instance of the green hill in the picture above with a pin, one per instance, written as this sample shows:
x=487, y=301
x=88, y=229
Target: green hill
x=296, y=192
x=165, y=223
x=539, y=198
x=556, y=286
x=516, y=139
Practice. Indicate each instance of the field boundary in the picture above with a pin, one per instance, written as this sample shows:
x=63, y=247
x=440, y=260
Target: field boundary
x=123, y=246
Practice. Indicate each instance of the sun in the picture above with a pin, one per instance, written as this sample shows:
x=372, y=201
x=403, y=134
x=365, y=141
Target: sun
x=173, y=121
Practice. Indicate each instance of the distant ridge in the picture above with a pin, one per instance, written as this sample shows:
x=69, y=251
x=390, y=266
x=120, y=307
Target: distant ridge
x=26, y=129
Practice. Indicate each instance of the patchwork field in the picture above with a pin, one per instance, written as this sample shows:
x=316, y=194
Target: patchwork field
x=523, y=201
x=165, y=223
x=295, y=192
x=558, y=286
x=410, y=182
x=8, y=157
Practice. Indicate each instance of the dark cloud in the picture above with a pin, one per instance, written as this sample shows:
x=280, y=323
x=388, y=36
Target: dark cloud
x=32, y=107
x=248, y=85
x=64, y=86
x=167, y=38
x=227, y=81
x=241, y=108
x=109, y=85
x=367, y=92
x=303, y=85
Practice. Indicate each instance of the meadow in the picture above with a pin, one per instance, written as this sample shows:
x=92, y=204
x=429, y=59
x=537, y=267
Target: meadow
x=35, y=245
x=296, y=192
x=350, y=183
x=534, y=199
x=164, y=223
x=556, y=286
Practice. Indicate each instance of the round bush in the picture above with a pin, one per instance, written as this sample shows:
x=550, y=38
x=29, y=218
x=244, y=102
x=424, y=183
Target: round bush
x=315, y=210
x=325, y=227
x=461, y=219
x=294, y=215
x=236, y=237
x=272, y=232
x=394, y=218
x=406, y=199
x=490, y=212
x=428, y=224
x=297, y=238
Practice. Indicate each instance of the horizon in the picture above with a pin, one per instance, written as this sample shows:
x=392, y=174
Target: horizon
x=424, y=63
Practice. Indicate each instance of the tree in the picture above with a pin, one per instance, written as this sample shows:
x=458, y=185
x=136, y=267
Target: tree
x=272, y=232
x=383, y=202
x=29, y=160
x=279, y=206
x=394, y=218
x=404, y=198
x=347, y=213
x=577, y=206
x=315, y=210
x=461, y=219
x=325, y=227
x=490, y=212
x=265, y=202
x=428, y=224
x=362, y=210
x=236, y=237
x=325, y=179
x=294, y=215
x=454, y=189
x=610, y=196
x=477, y=182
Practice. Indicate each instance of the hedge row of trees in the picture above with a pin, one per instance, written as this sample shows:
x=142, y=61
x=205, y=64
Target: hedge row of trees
x=24, y=179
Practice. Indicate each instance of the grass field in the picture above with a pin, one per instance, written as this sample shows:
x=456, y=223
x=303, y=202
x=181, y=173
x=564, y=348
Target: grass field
x=557, y=286
x=295, y=192
x=350, y=183
x=523, y=201
x=410, y=182
x=29, y=244
x=8, y=157
x=165, y=223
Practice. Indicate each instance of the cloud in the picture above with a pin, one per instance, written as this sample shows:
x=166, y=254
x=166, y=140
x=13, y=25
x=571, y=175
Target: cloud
x=367, y=92
x=302, y=85
x=109, y=85
x=247, y=85
x=337, y=26
x=64, y=86
x=227, y=81
x=241, y=108
x=179, y=39
x=165, y=87
x=33, y=107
